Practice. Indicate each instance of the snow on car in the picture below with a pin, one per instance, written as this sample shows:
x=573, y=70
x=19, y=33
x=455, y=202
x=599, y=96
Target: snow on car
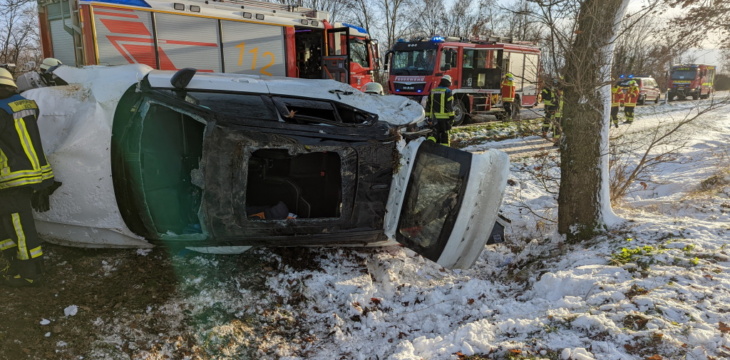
x=222, y=162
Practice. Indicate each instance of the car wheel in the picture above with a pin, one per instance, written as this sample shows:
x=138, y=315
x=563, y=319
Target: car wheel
x=641, y=100
x=656, y=101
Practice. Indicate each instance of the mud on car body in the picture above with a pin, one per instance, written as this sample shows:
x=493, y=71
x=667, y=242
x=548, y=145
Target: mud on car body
x=222, y=162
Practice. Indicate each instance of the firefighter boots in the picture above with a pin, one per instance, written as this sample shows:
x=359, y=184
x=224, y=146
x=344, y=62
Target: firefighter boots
x=29, y=273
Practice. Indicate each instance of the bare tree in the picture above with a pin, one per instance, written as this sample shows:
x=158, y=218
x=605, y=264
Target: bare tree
x=584, y=168
x=19, y=36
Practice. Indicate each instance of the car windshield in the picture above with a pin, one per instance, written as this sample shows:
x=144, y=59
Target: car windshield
x=684, y=74
x=414, y=62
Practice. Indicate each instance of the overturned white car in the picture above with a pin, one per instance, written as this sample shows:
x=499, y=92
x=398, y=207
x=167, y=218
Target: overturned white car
x=225, y=161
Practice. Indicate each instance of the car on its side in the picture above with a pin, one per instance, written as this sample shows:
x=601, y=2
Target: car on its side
x=223, y=162
x=648, y=88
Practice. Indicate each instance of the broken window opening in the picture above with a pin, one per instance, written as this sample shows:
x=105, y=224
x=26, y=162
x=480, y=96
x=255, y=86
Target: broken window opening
x=171, y=146
x=321, y=112
x=303, y=186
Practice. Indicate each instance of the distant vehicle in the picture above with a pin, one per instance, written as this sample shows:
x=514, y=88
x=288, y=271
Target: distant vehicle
x=695, y=80
x=221, y=162
x=648, y=88
x=240, y=36
x=476, y=68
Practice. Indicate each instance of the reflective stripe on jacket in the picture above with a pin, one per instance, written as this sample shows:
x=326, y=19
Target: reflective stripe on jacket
x=22, y=161
x=508, y=90
x=632, y=95
x=617, y=96
x=548, y=96
x=440, y=104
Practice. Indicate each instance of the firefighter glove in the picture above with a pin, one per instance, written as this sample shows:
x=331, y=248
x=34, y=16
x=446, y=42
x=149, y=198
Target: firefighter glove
x=41, y=198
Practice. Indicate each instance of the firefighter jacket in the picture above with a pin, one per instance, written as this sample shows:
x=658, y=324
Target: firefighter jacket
x=632, y=95
x=508, y=90
x=617, y=96
x=440, y=104
x=22, y=161
x=549, y=96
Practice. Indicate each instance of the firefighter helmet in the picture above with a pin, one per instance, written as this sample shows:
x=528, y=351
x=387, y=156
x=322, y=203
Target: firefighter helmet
x=447, y=78
x=49, y=63
x=509, y=76
x=374, y=88
x=6, y=78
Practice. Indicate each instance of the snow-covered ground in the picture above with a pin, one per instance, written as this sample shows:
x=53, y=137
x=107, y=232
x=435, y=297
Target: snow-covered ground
x=655, y=287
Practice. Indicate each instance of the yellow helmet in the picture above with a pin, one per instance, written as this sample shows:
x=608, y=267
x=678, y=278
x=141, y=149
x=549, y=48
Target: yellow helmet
x=49, y=63
x=6, y=78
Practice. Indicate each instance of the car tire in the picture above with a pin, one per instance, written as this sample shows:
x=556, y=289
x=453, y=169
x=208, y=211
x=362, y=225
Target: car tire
x=641, y=100
x=656, y=101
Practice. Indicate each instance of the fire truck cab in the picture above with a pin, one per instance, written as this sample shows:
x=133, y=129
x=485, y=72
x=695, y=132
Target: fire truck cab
x=695, y=80
x=475, y=66
x=242, y=37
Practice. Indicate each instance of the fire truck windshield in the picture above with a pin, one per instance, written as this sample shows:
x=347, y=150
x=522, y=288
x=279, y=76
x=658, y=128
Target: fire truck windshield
x=413, y=62
x=684, y=74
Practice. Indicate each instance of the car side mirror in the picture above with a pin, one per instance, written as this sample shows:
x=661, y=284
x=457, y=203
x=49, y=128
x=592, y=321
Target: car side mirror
x=182, y=78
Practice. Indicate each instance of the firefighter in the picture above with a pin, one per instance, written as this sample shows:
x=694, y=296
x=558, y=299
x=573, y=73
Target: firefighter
x=551, y=98
x=632, y=95
x=617, y=98
x=24, y=174
x=46, y=72
x=440, y=107
x=374, y=88
x=508, y=94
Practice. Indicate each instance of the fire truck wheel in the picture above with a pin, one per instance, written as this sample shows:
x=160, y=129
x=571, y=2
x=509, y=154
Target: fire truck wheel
x=460, y=114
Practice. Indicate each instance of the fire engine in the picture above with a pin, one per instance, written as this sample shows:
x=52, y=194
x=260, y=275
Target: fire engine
x=476, y=68
x=695, y=80
x=242, y=36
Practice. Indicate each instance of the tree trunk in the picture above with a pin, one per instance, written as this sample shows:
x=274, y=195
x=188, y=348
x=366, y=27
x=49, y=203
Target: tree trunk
x=582, y=172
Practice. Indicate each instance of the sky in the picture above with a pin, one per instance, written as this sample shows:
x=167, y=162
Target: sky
x=655, y=286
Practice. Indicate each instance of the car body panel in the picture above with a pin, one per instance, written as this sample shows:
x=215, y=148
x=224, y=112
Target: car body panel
x=205, y=165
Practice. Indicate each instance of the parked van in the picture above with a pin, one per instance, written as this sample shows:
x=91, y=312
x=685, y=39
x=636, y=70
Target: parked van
x=648, y=88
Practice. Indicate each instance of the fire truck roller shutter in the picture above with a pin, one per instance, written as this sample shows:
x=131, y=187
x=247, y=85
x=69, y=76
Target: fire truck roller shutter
x=63, y=43
x=188, y=41
x=254, y=49
x=123, y=37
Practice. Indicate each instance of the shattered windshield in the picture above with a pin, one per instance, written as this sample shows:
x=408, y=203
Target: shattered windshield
x=684, y=74
x=414, y=62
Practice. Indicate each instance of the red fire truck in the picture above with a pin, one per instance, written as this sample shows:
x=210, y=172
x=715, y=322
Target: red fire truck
x=695, y=80
x=242, y=36
x=476, y=68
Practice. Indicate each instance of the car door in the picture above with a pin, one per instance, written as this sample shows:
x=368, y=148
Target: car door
x=444, y=202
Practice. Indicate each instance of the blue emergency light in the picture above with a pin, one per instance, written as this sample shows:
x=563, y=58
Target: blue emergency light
x=360, y=29
x=437, y=39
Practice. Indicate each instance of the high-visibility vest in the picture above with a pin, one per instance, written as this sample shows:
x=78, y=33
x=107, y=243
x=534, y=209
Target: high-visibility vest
x=631, y=96
x=22, y=161
x=617, y=96
x=440, y=104
x=508, y=90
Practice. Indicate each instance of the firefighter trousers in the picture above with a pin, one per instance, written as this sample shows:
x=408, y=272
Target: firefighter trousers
x=629, y=113
x=614, y=115
x=17, y=226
